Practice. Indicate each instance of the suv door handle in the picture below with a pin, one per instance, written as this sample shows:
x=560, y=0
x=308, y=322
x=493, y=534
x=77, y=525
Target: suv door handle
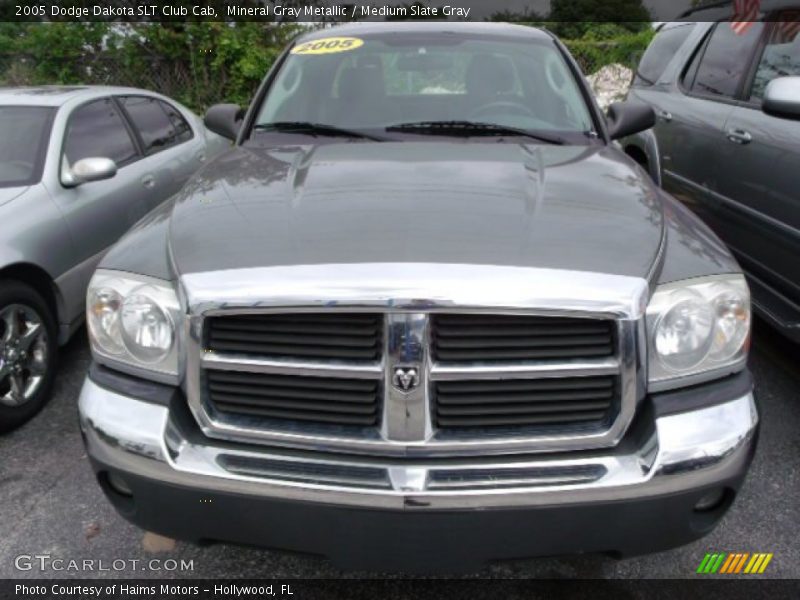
x=739, y=136
x=664, y=115
x=148, y=181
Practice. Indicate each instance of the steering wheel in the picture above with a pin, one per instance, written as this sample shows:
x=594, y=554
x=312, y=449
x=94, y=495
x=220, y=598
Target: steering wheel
x=502, y=106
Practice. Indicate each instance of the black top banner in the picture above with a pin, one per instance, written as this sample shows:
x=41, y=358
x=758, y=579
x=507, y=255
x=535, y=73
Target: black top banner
x=342, y=10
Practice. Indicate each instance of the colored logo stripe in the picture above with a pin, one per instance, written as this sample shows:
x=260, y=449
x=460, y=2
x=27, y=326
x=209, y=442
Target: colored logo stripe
x=711, y=563
x=734, y=563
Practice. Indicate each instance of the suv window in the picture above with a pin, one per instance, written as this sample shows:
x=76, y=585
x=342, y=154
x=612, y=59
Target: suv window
x=97, y=129
x=781, y=56
x=660, y=51
x=724, y=60
x=158, y=128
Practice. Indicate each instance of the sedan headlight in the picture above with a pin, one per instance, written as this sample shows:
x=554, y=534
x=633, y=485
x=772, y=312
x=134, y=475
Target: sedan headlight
x=697, y=329
x=132, y=323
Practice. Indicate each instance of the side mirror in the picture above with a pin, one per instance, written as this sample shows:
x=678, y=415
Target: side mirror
x=782, y=98
x=89, y=169
x=627, y=118
x=224, y=120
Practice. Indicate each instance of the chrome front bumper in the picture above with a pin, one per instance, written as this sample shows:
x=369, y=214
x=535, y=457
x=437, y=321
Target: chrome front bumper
x=682, y=452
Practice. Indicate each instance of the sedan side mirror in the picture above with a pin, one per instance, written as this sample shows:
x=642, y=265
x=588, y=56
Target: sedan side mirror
x=224, y=120
x=782, y=98
x=627, y=118
x=89, y=169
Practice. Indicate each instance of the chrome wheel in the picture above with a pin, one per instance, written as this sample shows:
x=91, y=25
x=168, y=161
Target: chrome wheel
x=23, y=354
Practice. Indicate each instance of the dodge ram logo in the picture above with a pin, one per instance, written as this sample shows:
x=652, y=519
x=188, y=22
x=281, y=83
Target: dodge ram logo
x=405, y=378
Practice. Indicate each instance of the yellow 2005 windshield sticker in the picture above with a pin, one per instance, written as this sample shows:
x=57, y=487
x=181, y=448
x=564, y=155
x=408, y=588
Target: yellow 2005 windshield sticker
x=328, y=45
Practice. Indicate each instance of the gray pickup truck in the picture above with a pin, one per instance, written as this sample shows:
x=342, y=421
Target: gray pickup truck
x=423, y=315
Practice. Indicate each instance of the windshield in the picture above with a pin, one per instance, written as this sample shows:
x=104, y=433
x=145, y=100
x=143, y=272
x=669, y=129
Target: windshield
x=24, y=131
x=374, y=84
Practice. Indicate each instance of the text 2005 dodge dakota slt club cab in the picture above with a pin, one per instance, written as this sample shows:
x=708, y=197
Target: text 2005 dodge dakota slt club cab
x=422, y=315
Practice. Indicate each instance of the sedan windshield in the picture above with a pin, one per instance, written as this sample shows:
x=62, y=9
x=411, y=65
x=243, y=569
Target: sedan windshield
x=24, y=132
x=411, y=85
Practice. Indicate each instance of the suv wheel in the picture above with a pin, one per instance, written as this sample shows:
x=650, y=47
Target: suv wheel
x=28, y=353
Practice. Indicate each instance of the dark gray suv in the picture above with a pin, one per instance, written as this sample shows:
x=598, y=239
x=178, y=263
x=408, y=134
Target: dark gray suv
x=727, y=99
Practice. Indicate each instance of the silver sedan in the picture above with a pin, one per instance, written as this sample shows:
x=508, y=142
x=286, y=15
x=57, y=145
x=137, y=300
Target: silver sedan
x=78, y=167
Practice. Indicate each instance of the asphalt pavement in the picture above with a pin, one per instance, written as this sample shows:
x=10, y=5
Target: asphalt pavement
x=51, y=505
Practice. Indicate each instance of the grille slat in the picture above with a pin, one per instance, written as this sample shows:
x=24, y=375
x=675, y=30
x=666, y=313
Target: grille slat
x=572, y=400
x=499, y=355
x=296, y=351
x=294, y=415
x=445, y=399
x=290, y=340
x=511, y=330
x=529, y=385
x=281, y=402
x=295, y=398
x=329, y=336
x=297, y=393
x=360, y=385
x=497, y=338
x=301, y=328
x=505, y=409
x=519, y=342
x=556, y=419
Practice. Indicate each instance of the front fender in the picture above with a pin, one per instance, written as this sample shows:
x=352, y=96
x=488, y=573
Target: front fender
x=145, y=248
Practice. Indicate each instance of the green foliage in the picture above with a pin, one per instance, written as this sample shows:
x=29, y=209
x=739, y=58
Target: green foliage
x=592, y=54
x=572, y=19
x=39, y=43
x=195, y=63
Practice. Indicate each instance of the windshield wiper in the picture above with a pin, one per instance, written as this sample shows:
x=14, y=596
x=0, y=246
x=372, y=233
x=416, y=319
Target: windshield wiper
x=315, y=129
x=472, y=128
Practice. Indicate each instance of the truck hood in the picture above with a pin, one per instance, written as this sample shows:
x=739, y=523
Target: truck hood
x=563, y=207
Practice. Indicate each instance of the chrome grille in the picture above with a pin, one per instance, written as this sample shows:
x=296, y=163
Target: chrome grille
x=326, y=336
x=338, y=401
x=496, y=338
x=561, y=402
x=407, y=401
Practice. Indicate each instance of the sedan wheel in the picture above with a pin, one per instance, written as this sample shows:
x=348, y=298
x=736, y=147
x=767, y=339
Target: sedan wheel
x=28, y=353
x=23, y=354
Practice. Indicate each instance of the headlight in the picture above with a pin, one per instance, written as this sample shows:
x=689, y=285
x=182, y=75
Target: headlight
x=131, y=320
x=697, y=329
